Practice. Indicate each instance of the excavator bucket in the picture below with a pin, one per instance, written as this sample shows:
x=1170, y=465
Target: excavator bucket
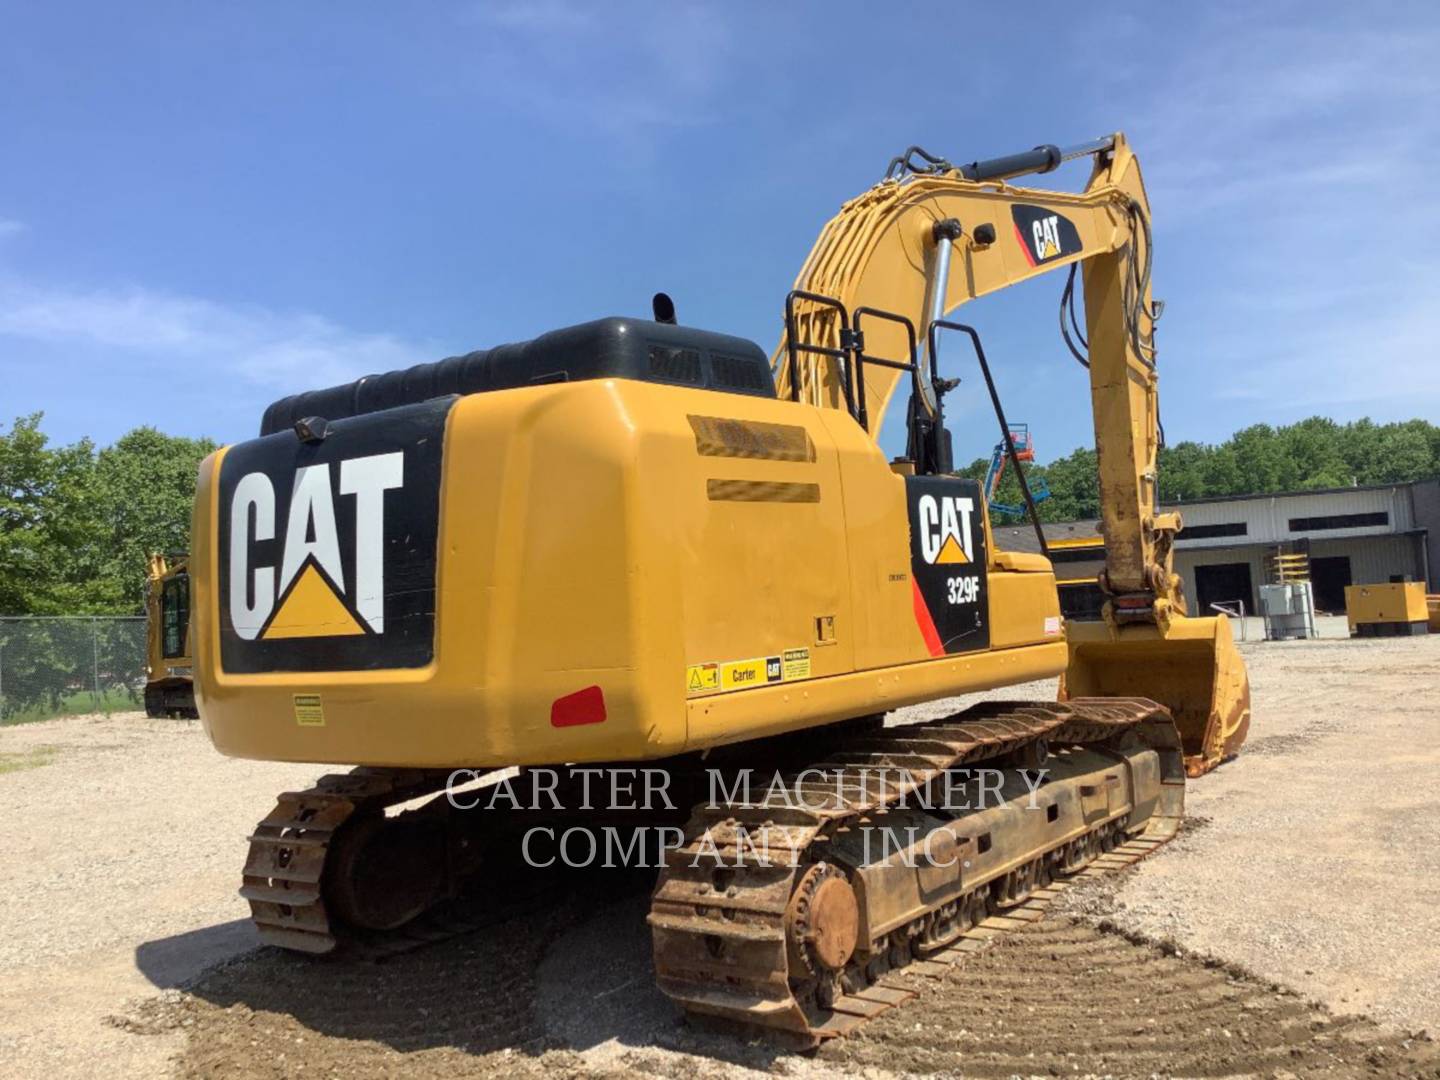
x=1191, y=667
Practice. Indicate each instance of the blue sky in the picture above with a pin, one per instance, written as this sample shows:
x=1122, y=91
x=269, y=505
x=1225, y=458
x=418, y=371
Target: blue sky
x=204, y=207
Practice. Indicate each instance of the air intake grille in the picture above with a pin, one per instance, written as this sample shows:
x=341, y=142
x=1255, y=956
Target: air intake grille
x=737, y=373
x=675, y=365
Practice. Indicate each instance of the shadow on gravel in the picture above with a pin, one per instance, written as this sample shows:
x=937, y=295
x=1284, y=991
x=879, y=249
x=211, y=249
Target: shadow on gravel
x=174, y=961
x=572, y=974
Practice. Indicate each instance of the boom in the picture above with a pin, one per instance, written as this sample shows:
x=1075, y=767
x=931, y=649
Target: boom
x=932, y=236
x=887, y=249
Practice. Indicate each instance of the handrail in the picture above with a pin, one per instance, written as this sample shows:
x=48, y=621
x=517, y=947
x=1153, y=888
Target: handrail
x=862, y=357
x=1005, y=433
x=794, y=347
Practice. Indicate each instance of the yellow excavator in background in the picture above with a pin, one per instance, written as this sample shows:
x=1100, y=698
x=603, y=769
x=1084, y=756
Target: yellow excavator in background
x=169, y=672
x=631, y=541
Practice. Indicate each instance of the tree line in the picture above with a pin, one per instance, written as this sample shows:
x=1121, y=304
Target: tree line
x=77, y=521
x=1257, y=460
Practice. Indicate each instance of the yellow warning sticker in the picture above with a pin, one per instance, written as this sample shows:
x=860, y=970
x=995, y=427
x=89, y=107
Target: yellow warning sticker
x=744, y=674
x=702, y=678
x=308, y=711
x=740, y=674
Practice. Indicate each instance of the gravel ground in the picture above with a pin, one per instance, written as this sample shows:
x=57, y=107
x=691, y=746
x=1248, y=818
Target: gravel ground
x=123, y=838
x=1320, y=855
x=1311, y=866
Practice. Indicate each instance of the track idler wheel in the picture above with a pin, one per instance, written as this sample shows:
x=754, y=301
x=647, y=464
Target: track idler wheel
x=385, y=871
x=822, y=927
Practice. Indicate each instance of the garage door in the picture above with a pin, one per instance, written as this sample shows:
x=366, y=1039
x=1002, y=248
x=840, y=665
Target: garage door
x=1223, y=583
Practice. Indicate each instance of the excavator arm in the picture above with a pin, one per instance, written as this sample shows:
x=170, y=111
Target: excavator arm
x=932, y=236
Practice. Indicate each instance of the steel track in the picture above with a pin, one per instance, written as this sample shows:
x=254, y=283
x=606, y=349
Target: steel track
x=719, y=911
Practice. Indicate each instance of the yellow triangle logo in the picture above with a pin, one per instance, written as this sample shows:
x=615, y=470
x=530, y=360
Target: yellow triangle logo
x=311, y=609
x=1050, y=250
x=951, y=552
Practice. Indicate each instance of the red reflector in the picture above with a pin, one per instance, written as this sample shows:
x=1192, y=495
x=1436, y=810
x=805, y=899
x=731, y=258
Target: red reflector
x=582, y=707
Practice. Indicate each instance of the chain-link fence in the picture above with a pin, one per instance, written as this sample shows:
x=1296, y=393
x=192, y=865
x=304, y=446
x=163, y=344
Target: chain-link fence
x=63, y=666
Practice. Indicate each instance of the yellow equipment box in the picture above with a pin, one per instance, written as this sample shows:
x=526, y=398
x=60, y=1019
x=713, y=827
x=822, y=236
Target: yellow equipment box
x=1391, y=610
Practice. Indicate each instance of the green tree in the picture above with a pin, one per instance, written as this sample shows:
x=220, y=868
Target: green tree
x=76, y=527
x=43, y=506
x=1313, y=453
x=1310, y=456
x=142, y=491
x=1182, y=471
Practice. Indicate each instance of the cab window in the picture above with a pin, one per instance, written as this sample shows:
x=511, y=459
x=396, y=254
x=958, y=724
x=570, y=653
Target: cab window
x=175, y=615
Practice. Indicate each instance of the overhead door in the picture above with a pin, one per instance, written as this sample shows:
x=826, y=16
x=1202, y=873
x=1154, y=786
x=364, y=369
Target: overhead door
x=1223, y=583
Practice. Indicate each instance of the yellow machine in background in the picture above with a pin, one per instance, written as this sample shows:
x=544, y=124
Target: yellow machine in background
x=634, y=541
x=1396, y=609
x=169, y=671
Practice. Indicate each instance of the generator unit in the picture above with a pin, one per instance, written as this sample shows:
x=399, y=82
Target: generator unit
x=1396, y=609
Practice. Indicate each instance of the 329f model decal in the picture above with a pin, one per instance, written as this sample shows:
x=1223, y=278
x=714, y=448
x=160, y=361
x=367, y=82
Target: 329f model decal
x=327, y=549
x=947, y=561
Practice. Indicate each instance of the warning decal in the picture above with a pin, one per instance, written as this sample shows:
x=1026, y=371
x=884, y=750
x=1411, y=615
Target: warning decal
x=790, y=665
x=308, y=710
x=702, y=677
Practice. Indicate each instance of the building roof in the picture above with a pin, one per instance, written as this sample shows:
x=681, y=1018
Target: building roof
x=1292, y=494
x=1022, y=537
x=1067, y=533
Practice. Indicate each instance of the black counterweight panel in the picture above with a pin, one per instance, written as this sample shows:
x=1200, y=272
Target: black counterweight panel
x=606, y=348
x=327, y=550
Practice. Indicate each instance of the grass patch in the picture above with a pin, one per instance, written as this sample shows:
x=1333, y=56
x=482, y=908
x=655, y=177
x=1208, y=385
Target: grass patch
x=80, y=703
x=28, y=759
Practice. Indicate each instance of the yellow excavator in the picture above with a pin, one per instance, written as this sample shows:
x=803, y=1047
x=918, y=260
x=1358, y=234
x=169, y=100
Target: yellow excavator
x=169, y=673
x=633, y=542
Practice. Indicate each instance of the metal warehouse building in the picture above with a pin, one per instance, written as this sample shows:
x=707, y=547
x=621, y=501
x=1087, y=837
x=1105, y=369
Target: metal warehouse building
x=1353, y=536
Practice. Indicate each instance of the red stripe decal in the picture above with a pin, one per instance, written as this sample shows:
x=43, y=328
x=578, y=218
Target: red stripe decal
x=582, y=707
x=926, y=623
x=1029, y=255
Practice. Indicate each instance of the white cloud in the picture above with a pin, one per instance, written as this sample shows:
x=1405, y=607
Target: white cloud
x=282, y=351
x=1384, y=362
x=9, y=227
x=1290, y=163
x=1263, y=109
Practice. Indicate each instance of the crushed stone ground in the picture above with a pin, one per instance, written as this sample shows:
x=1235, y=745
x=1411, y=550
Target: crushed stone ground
x=1290, y=930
